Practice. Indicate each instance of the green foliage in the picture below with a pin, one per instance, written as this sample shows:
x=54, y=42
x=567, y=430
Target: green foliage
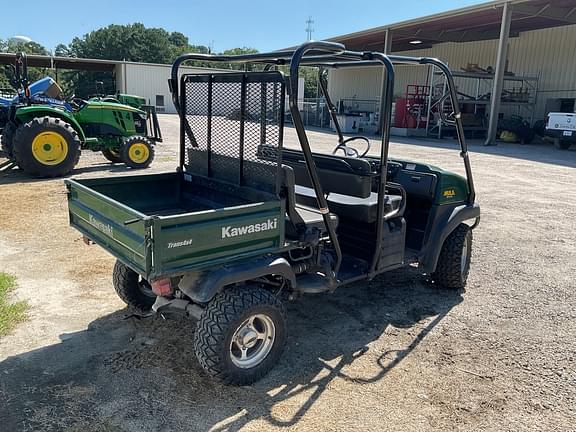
x=132, y=42
x=10, y=313
x=240, y=51
x=310, y=75
x=311, y=89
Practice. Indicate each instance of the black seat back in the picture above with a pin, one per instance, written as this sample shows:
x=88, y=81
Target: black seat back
x=338, y=174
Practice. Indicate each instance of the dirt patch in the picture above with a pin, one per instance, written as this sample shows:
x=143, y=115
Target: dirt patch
x=393, y=354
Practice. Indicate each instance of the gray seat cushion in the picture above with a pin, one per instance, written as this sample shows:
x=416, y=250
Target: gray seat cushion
x=349, y=207
x=311, y=219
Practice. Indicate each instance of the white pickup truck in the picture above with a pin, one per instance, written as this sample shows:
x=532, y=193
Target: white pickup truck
x=562, y=128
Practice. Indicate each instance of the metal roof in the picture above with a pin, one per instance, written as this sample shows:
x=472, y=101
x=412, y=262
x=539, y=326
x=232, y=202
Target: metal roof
x=480, y=22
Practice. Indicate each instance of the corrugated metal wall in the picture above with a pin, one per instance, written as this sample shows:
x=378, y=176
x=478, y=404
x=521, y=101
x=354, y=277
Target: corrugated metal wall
x=549, y=54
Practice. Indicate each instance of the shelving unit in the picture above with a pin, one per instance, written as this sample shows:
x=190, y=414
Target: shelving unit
x=519, y=92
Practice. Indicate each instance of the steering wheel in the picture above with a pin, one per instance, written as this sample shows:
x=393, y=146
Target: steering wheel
x=351, y=151
x=76, y=103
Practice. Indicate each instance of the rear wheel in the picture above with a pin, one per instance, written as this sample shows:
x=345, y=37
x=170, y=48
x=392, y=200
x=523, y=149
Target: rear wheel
x=137, y=152
x=8, y=138
x=134, y=290
x=113, y=155
x=46, y=147
x=454, y=262
x=241, y=335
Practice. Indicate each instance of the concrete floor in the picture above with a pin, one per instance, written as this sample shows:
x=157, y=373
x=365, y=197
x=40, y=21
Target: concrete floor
x=392, y=354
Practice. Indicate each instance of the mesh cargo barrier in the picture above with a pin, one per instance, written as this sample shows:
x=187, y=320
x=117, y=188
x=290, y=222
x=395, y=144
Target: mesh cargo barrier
x=229, y=119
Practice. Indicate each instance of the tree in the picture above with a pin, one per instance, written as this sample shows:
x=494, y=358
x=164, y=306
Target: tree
x=62, y=50
x=132, y=42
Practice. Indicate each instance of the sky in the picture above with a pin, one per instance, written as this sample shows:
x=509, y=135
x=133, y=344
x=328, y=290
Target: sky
x=264, y=25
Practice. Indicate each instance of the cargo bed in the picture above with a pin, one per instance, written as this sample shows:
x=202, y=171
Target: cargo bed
x=165, y=224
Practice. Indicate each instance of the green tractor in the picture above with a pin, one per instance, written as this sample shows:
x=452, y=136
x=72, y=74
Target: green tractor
x=44, y=134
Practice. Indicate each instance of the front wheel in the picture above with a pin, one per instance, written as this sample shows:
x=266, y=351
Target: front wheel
x=113, y=155
x=241, y=335
x=454, y=262
x=137, y=152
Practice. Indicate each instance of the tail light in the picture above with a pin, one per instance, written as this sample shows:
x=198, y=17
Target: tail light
x=162, y=287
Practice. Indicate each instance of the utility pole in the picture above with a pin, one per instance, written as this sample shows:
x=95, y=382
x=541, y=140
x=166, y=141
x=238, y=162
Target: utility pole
x=309, y=29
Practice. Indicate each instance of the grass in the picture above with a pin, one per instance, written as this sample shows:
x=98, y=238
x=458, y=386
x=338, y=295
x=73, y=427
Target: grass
x=10, y=313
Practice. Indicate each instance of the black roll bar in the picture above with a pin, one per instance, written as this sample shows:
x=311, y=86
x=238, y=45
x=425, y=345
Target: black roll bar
x=21, y=74
x=334, y=55
x=331, y=108
x=336, y=64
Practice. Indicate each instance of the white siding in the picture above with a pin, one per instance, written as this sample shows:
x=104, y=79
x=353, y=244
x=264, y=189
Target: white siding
x=549, y=54
x=149, y=81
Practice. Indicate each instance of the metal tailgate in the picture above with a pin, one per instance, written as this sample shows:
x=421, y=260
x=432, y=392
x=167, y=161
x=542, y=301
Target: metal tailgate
x=216, y=236
x=119, y=229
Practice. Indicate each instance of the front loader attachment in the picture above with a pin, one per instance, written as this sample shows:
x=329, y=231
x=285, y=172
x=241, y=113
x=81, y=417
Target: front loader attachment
x=152, y=126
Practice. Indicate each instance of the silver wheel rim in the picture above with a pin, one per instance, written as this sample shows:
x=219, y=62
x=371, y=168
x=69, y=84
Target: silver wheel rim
x=252, y=341
x=464, y=258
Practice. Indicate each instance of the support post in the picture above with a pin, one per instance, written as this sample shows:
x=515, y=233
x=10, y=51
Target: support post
x=388, y=41
x=499, y=74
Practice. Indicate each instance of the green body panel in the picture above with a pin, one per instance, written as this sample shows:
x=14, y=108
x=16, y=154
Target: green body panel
x=157, y=245
x=114, y=121
x=26, y=114
x=131, y=100
x=108, y=122
x=451, y=188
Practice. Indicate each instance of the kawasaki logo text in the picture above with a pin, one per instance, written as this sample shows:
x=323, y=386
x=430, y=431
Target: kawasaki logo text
x=101, y=226
x=229, y=232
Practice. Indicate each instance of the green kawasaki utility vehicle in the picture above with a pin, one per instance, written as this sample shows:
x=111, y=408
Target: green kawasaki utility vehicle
x=44, y=134
x=244, y=224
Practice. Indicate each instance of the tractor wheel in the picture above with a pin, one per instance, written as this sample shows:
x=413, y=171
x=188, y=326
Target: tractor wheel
x=241, y=335
x=46, y=147
x=8, y=138
x=454, y=262
x=137, y=152
x=113, y=155
x=135, y=291
x=562, y=144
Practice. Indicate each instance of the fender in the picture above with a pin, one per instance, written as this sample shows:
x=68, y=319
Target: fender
x=447, y=221
x=201, y=287
x=25, y=114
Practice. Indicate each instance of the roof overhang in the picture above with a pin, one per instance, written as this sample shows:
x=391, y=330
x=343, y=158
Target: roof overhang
x=55, y=62
x=475, y=23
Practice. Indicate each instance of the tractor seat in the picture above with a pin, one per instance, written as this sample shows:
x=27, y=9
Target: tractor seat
x=349, y=207
x=310, y=219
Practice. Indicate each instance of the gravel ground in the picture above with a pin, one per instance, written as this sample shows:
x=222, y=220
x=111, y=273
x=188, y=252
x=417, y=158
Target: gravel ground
x=393, y=354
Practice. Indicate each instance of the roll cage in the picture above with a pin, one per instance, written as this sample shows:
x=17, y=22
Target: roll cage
x=334, y=55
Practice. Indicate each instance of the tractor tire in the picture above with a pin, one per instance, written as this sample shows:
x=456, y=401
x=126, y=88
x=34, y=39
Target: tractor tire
x=454, y=261
x=112, y=155
x=241, y=335
x=137, y=152
x=132, y=289
x=562, y=144
x=8, y=139
x=46, y=147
